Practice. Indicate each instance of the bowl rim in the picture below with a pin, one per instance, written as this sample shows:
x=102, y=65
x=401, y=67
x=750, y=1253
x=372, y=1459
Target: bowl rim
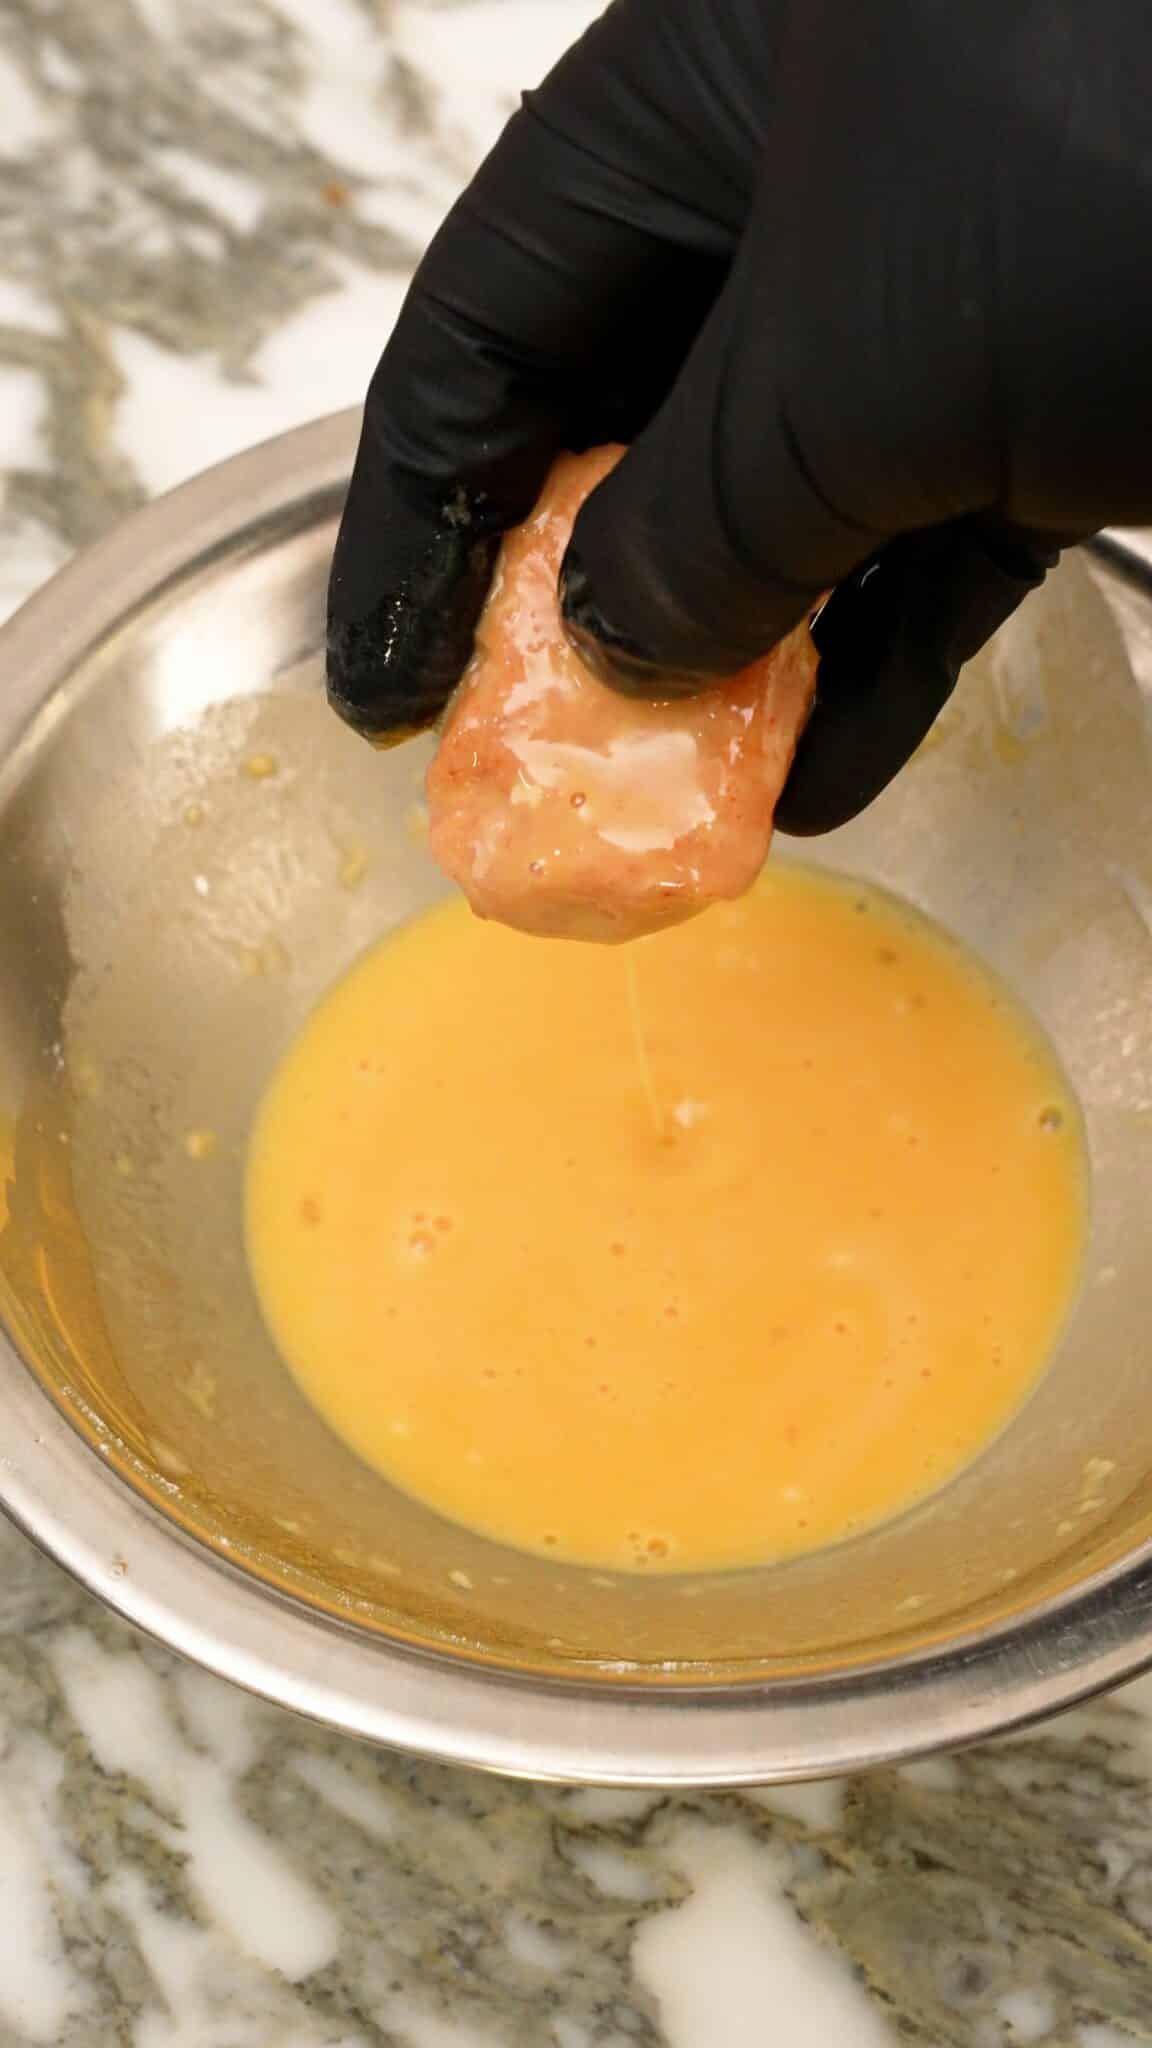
x=60, y=1490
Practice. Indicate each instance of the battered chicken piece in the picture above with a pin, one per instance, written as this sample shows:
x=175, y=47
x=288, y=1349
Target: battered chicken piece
x=566, y=810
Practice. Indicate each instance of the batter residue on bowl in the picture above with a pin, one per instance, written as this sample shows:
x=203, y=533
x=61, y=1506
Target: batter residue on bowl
x=697, y=1254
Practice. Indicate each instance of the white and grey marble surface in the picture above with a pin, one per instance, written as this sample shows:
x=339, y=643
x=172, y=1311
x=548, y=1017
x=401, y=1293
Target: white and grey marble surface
x=207, y=212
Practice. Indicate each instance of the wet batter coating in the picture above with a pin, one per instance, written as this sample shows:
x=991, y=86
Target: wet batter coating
x=566, y=810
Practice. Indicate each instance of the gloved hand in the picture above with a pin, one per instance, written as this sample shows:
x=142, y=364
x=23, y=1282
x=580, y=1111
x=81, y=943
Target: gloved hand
x=868, y=285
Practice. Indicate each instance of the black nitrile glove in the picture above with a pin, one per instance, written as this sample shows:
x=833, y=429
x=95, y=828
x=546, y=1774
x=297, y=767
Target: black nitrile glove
x=868, y=284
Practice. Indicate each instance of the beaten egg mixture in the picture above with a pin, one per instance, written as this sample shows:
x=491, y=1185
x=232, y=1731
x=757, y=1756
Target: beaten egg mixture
x=698, y=1254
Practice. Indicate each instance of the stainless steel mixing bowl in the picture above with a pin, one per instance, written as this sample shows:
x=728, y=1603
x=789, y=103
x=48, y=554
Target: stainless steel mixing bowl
x=191, y=847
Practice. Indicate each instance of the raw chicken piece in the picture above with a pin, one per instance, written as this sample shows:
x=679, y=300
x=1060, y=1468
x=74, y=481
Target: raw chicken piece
x=566, y=810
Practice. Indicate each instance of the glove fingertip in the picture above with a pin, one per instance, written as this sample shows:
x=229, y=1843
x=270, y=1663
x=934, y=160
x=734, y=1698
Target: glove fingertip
x=892, y=640
x=612, y=655
x=392, y=669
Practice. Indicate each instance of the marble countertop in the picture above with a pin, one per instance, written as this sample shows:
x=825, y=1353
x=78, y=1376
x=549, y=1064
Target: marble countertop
x=208, y=209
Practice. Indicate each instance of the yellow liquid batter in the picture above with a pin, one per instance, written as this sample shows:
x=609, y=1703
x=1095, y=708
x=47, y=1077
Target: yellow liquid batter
x=698, y=1254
